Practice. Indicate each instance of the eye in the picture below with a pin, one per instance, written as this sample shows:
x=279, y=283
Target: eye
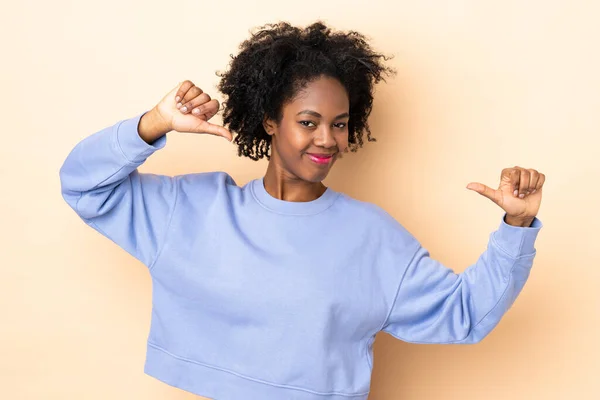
x=341, y=125
x=306, y=122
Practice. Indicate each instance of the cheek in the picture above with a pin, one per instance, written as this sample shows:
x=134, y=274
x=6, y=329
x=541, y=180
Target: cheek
x=298, y=141
x=342, y=141
x=291, y=143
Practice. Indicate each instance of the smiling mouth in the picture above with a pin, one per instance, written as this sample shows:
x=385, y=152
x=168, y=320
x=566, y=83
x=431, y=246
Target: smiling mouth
x=322, y=159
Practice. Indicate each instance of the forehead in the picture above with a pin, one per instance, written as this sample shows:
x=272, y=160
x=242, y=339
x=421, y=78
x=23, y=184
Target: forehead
x=325, y=95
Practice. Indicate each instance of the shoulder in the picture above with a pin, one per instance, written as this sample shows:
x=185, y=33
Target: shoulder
x=376, y=220
x=205, y=186
x=215, y=179
x=371, y=211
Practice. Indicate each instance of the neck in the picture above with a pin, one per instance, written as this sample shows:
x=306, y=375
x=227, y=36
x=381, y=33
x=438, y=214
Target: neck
x=284, y=186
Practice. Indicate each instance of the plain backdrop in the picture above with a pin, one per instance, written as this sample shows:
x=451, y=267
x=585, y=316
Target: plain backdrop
x=481, y=86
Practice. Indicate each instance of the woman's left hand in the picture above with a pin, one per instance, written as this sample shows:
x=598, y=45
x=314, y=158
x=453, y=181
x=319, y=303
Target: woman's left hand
x=519, y=194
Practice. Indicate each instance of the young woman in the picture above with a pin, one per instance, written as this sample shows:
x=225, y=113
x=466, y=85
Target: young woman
x=277, y=288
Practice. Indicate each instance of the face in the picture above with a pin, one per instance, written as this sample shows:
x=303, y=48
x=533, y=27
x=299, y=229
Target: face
x=313, y=131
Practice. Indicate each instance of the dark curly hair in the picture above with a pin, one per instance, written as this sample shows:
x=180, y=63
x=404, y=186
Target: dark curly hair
x=277, y=61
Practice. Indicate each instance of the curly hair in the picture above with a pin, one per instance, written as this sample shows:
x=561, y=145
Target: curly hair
x=279, y=60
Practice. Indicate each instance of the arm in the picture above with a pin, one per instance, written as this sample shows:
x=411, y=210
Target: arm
x=435, y=305
x=100, y=181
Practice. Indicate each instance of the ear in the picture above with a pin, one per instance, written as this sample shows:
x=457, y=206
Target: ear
x=269, y=125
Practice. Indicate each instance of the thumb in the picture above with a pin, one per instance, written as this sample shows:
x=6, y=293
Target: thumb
x=483, y=190
x=212, y=129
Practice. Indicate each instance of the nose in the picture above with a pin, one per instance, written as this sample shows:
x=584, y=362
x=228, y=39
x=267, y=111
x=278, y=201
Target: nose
x=324, y=137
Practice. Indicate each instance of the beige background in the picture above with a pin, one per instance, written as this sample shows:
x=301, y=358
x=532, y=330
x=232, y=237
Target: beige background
x=481, y=85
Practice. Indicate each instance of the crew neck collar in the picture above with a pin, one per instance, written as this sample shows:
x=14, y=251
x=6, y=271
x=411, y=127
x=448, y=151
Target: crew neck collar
x=291, y=207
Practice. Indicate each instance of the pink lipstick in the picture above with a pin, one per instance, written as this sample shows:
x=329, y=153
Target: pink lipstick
x=320, y=158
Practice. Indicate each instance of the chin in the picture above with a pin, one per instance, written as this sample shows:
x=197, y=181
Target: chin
x=316, y=177
x=315, y=173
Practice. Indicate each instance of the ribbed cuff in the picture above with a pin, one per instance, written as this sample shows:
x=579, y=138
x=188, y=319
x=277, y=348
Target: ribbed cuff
x=134, y=148
x=515, y=240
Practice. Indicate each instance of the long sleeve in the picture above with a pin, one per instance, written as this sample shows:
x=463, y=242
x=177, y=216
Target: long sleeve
x=435, y=305
x=100, y=181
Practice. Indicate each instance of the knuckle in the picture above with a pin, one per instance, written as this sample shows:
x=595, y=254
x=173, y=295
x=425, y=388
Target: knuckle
x=213, y=103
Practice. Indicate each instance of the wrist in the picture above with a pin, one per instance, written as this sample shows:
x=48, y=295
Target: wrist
x=152, y=127
x=519, y=222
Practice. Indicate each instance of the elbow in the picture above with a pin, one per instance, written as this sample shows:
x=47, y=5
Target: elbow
x=87, y=204
x=67, y=190
x=68, y=176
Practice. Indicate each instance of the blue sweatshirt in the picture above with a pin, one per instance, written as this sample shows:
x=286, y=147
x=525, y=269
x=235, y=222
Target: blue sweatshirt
x=259, y=298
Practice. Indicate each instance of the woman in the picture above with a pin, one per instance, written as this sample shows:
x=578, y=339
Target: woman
x=276, y=289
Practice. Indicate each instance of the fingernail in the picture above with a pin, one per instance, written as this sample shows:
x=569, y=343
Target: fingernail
x=195, y=111
x=516, y=192
x=183, y=109
x=177, y=99
x=521, y=195
x=534, y=190
x=178, y=105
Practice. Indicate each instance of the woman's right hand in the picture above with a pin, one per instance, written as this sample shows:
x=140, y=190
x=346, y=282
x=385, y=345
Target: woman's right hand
x=186, y=108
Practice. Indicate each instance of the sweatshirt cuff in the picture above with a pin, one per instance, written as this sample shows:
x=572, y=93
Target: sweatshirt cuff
x=134, y=148
x=515, y=240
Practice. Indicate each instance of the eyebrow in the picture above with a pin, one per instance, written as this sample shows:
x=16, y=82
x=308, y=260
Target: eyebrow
x=316, y=114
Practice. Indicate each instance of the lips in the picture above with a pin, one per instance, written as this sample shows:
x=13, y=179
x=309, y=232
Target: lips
x=323, y=156
x=320, y=158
